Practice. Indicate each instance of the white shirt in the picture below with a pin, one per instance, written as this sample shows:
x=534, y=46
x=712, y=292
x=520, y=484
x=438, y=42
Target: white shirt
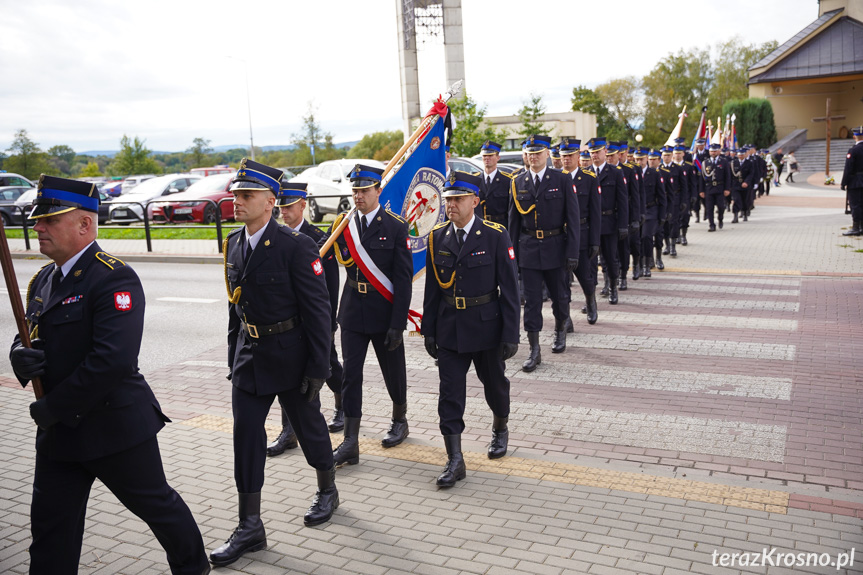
x=486, y=177
x=466, y=228
x=67, y=267
x=597, y=169
x=533, y=174
x=369, y=216
x=256, y=237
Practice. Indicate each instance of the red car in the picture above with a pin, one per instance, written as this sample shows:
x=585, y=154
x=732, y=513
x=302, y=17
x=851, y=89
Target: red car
x=182, y=208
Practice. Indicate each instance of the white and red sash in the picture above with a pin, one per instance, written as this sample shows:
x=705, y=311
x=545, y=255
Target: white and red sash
x=370, y=270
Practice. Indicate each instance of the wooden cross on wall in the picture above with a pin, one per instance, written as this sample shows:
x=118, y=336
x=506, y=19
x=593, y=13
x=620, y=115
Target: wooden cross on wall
x=827, y=119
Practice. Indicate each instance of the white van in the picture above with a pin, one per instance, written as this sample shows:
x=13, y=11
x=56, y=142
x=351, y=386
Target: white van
x=133, y=181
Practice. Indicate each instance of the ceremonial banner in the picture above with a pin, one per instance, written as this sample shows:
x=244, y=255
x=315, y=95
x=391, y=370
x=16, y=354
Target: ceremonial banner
x=415, y=189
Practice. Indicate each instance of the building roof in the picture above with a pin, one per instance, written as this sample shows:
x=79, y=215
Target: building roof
x=832, y=52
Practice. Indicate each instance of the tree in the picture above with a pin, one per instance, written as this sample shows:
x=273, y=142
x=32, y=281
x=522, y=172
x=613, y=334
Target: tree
x=91, y=170
x=588, y=101
x=531, y=114
x=470, y=129
x=198, y=151
x=732, y=70
x=62, y=152
x=754, y=122
x=27, y=158
x=310, y=138
x=133, y=158
x=622, y=99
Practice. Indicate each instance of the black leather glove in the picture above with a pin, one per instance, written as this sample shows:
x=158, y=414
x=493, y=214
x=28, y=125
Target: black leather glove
x=431, y=346
x=230, y=374
x=622, y=233
x=594, y=251
x=393, y=339
x=41, y=414
x=571, y=264
x=28, y=362
x=507, y=350
x=310, y=386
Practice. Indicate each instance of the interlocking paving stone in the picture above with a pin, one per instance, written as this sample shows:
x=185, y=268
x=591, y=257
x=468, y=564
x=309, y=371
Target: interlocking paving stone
x=755, y=281
x=682, y=320
x=709, y=304
x=720, y=289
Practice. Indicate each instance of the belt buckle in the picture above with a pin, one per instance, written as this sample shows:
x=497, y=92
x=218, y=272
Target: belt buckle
x=362, y=287
x=539, y=234
x=460, y=303
x=252, y=330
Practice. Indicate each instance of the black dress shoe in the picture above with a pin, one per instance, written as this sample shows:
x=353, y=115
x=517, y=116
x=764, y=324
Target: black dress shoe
x=398, y=431
x=287, y=439
x=326, y=499
x=499, y=438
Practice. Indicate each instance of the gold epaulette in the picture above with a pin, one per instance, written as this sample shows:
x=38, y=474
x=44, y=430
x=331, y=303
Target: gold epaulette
x=589, y=172
x=494, y=225
x=565, y=172
x=664, y=169
x=510, y=176
x=441, y=225
x=109, y=260
x=396, y=216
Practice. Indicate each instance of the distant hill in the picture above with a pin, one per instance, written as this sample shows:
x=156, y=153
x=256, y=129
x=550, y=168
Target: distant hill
x=276, y=148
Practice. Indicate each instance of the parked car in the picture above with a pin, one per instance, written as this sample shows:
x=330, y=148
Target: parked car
x=10, y=179
x=113, y=189
x=212, y=171
x=25, y=202
x=127, y=208
x=184, y=209
x=465, y=165
x=331, y=179
x=8, y=209
x=133, y=181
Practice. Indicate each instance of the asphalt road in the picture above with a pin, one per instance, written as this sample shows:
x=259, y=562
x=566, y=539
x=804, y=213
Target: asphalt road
x=174, y=329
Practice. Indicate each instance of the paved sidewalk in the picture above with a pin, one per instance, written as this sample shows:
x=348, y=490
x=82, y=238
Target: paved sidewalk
x=711, y=412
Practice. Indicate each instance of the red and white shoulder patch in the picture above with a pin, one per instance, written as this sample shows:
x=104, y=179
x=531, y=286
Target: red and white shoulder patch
x=317, y=267
x=123, y=300
x=511, y=253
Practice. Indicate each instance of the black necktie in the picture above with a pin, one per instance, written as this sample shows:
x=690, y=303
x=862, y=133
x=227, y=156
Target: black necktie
x=459, y=234
x=248, y=255
x=56, y=278
x=488, y=180
x=363, y=226
x=536, y=181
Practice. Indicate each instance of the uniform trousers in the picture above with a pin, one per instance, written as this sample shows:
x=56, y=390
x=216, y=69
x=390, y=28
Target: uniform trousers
x=337, y=372
x=556, y=281
x=635, y=245
x=623, y=252
x=586, y=271
x=712, y=201
x=684, y=215
x=355, y=345
x=452, y=369
x=250, y=437
x=855, y=202
x=651, y=236
x=750, y=197
x=739, y=200
x=610, y=259
x=671, y=229
x=135, y=476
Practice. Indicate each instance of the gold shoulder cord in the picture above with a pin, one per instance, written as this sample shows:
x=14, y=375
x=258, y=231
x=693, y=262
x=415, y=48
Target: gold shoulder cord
x=35, y=333
x=232, y=297
x=442, y=285
x=518, y=205
x=348, y=262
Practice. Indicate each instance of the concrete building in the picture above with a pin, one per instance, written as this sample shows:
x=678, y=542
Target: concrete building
x=824, y=60
x=579, y=125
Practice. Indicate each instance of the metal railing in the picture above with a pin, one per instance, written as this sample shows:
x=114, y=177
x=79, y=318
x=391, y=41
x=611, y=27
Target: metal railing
x=23, y=225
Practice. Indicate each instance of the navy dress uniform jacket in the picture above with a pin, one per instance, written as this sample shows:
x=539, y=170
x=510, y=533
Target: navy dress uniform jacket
x=91, y=327
x=589, y=207
x=331, y=267
x=717, y=176
x=386, y=241
x=852, y=177
x=614, y=198
x=632, y=179
x=494, y=200
x=282, y=280
x=552, y=208
x=484, y=264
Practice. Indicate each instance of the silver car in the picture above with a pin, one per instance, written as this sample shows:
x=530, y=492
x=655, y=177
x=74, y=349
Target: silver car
x=127, y=209
x=331, y=179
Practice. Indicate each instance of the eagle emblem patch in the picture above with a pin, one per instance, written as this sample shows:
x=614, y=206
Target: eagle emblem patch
x=123, y=300
x=317, y=267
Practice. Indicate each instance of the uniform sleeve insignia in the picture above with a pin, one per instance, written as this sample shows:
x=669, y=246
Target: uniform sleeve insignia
x=317, y=267
x=396, y=216
x=123, y=300
x=511, y=253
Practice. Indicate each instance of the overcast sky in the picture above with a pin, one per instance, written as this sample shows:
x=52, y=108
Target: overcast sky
x=84, y=72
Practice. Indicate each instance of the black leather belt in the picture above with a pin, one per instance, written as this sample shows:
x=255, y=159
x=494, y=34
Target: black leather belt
x=256, y=331
x=583, y=220
x=466, y=302
x=541, y=234
x=362, y=287
x=609, y=212
x=496, y=219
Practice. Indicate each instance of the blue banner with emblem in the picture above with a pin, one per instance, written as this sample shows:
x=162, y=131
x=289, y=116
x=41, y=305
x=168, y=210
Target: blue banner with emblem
x=414, y=191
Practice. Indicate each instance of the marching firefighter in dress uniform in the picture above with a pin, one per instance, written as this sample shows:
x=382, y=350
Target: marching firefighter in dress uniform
x=677, y=189
x=98, y=417
x=632, y=178
x=494, y=198
x=702, y=154
x=615, y=211
x=292, y=204
x=742, y=181
x=379, y=238
x=470, y=315
x=683, y=158
x=655, y=210
x=544, y=225
x=717, y=186
x=279, y=343
x=852, y=183
x=589, y=207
